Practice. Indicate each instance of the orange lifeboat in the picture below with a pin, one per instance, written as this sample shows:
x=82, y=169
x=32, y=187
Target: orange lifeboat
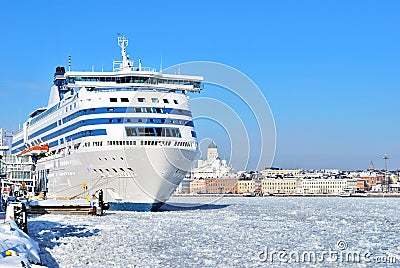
x=36, y=150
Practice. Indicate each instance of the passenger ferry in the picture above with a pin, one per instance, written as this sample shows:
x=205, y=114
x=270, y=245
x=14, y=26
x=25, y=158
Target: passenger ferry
x=128, y=132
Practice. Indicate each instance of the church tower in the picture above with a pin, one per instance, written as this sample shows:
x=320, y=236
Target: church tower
x=371, y=166
x=212, y=152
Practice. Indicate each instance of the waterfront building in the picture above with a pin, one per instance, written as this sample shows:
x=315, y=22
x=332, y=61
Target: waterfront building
x=352, y=184
x=280, y=186
x=197, y=186
x=246, y=186
x=221, y=186
x=372, y=178
x=322, y=186
x=212, y=166
x=361, y=185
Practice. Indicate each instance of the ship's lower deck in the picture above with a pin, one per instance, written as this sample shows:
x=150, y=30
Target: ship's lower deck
x=132, y=178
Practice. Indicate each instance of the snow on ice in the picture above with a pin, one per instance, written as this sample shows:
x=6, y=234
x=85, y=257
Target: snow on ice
x=230, y=232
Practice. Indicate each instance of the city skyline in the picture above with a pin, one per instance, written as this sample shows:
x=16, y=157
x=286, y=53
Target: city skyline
x=329, y=70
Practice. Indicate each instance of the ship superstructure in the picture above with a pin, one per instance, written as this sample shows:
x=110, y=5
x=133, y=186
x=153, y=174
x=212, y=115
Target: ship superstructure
x=129, y=132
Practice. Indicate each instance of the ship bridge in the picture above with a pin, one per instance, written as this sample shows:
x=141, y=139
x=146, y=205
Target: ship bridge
x=126, y=75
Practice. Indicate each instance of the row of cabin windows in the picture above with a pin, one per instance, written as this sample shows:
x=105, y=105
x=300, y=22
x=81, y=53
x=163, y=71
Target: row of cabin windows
x=121, y=142
x=107, y=171
x=153, y=143
x=131, y=79
x=153, y=100
x=70, y=107
x=128, y=110
x=95, y=143
x=153, y=132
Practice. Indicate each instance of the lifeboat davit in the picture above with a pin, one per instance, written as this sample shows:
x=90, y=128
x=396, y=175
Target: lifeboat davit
x=36, y=150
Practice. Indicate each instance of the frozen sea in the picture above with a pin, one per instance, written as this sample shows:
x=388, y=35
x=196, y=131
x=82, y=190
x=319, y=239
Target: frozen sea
x=229, y=232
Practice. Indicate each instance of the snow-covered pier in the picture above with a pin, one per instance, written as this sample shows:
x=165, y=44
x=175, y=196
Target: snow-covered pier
x=17, y=249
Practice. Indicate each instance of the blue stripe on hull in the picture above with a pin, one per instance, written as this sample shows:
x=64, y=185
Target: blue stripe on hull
x=129, y=206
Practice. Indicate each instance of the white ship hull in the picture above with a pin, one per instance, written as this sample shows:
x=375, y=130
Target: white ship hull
x=141, y=178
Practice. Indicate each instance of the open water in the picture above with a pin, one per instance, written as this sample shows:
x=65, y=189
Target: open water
x=229, y=232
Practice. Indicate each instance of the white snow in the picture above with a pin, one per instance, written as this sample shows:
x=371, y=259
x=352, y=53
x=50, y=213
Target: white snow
x=228, y=233
x=21, y=247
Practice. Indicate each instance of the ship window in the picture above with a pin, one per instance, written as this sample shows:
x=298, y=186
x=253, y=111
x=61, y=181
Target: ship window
x=131, y=132
x=165, y=132
x=147, y=131
x=165, y=101
x=110, y=109
x=119, y=120
x=124, y=100
x=110, y=120
x=128, y=120
x=175, y=132
x=141, y=100
x=138, y=110
x=113, y=100
x=159, y=110
x=92, y=110
x=175, y=101
x=148, y=110
x=194, y=134
x=162, y=120
x=154, y=100
x=158, y=131
x=151, y=120
x=140, y=120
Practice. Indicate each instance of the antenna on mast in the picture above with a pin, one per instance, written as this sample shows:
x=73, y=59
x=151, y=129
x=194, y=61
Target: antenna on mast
x=69, y=63
x=161, y=64
x=123, y=43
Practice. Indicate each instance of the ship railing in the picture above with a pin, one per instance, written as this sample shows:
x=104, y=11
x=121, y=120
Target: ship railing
x=117, y=66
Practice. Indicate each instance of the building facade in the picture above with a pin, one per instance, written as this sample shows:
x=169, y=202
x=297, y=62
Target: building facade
x=280, y=186
x=221, y=186
x=322, y=186
x=246, y=186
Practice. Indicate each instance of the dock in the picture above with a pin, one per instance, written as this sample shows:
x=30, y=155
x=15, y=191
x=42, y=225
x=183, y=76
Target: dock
x=80, y=207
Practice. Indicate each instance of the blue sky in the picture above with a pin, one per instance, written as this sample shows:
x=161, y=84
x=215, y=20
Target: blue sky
x=330, y=70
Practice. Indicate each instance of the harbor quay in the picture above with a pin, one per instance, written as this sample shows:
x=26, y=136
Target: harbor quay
x=256, y=184
x=213, y=176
